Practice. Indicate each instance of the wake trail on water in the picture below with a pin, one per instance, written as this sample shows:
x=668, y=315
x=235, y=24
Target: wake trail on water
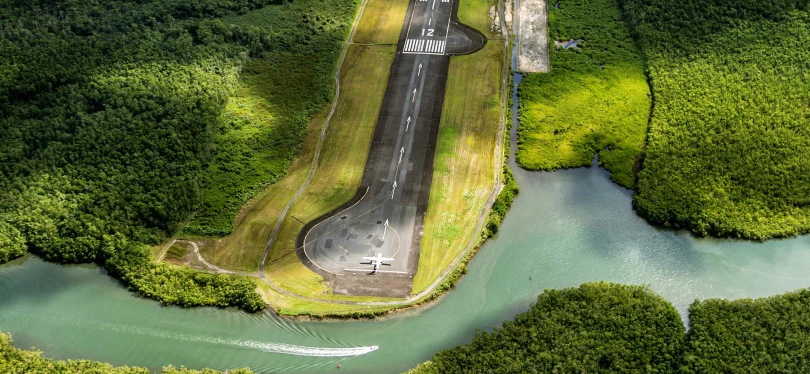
x=282, y=348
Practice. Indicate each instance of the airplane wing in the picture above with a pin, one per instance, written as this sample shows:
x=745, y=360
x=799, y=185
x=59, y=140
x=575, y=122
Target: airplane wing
x=386, y=259
x=369, y=258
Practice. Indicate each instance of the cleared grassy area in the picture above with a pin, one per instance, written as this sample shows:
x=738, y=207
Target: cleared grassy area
x=475, y=13
x=242, y=249
x=293, y=306
x=463, y=169
x=364, y=78
x=381, y=22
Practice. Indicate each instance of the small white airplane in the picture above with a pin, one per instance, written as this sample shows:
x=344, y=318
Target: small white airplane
x=378, y=260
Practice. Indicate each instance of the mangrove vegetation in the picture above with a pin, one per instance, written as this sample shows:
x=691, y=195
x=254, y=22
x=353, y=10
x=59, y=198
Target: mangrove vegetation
x=612, y=328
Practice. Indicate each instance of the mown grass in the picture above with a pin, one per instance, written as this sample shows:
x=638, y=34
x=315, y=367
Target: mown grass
x=381, y=22
x=463, y=170
x=364, y=79
x=595, y=99
x=464, y=167
x=475, y=13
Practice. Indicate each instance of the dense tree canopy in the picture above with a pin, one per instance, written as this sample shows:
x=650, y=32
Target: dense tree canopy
x=12, y=243
x=727, y=145
x=597, y=327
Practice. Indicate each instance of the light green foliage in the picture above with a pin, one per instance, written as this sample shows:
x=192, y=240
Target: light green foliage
x=597, y=327
x=280, y=90
x=132, y=263
x=12, y=243
x=727, y=153
x=17, y=361
x=770, y=335
x=595, y=99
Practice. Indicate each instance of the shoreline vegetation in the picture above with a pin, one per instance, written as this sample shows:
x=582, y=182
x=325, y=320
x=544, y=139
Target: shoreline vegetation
x=628, y=328
x=18, y=361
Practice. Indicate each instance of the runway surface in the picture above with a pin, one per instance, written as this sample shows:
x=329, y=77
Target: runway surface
x=386, y=216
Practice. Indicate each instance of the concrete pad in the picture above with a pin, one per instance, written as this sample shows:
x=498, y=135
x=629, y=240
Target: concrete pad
x=532, y=23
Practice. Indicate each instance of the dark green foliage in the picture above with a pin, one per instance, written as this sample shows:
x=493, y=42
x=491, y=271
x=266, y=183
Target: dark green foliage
x=12, y=243
x=502, y=203
x=770, y=335
x=597, y=327
x=17, y=361
x=727, y=146
x=595, y=99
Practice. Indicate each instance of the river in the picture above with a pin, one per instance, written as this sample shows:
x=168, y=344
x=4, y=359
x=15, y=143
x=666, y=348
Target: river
x=565, y=228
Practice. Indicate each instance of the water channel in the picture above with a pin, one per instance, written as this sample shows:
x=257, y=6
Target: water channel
x=565, y=228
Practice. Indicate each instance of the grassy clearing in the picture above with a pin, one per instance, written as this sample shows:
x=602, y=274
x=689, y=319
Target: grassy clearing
x=475, y=13
x=463, y=169
x=364, y=78
x=293, y=306
x=595, y=99
x=381, y=22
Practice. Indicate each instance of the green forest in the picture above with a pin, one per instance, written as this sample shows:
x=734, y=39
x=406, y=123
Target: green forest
x=122, y=118
x=17, y=361
x=730, y=129
x=612, y=328
x=595, y=99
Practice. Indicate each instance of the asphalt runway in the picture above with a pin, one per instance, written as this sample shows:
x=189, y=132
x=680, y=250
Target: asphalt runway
x=386, y=216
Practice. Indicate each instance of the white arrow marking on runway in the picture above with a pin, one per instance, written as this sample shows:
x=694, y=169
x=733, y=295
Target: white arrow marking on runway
x=420, y=70
x=409, y=124
x=394, y=190
x=434, y=5
x=385, y=229
x=414, y=95
x=401, y=151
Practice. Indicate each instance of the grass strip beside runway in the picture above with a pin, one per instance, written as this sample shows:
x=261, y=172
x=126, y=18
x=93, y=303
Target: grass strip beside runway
x=381, y=22
x=364, y=79
x=463, y=169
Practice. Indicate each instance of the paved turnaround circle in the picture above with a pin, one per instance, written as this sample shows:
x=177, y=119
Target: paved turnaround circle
x=386, y=216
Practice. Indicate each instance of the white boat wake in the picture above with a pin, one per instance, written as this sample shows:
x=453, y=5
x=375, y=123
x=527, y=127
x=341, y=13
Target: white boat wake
x=307, y=351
